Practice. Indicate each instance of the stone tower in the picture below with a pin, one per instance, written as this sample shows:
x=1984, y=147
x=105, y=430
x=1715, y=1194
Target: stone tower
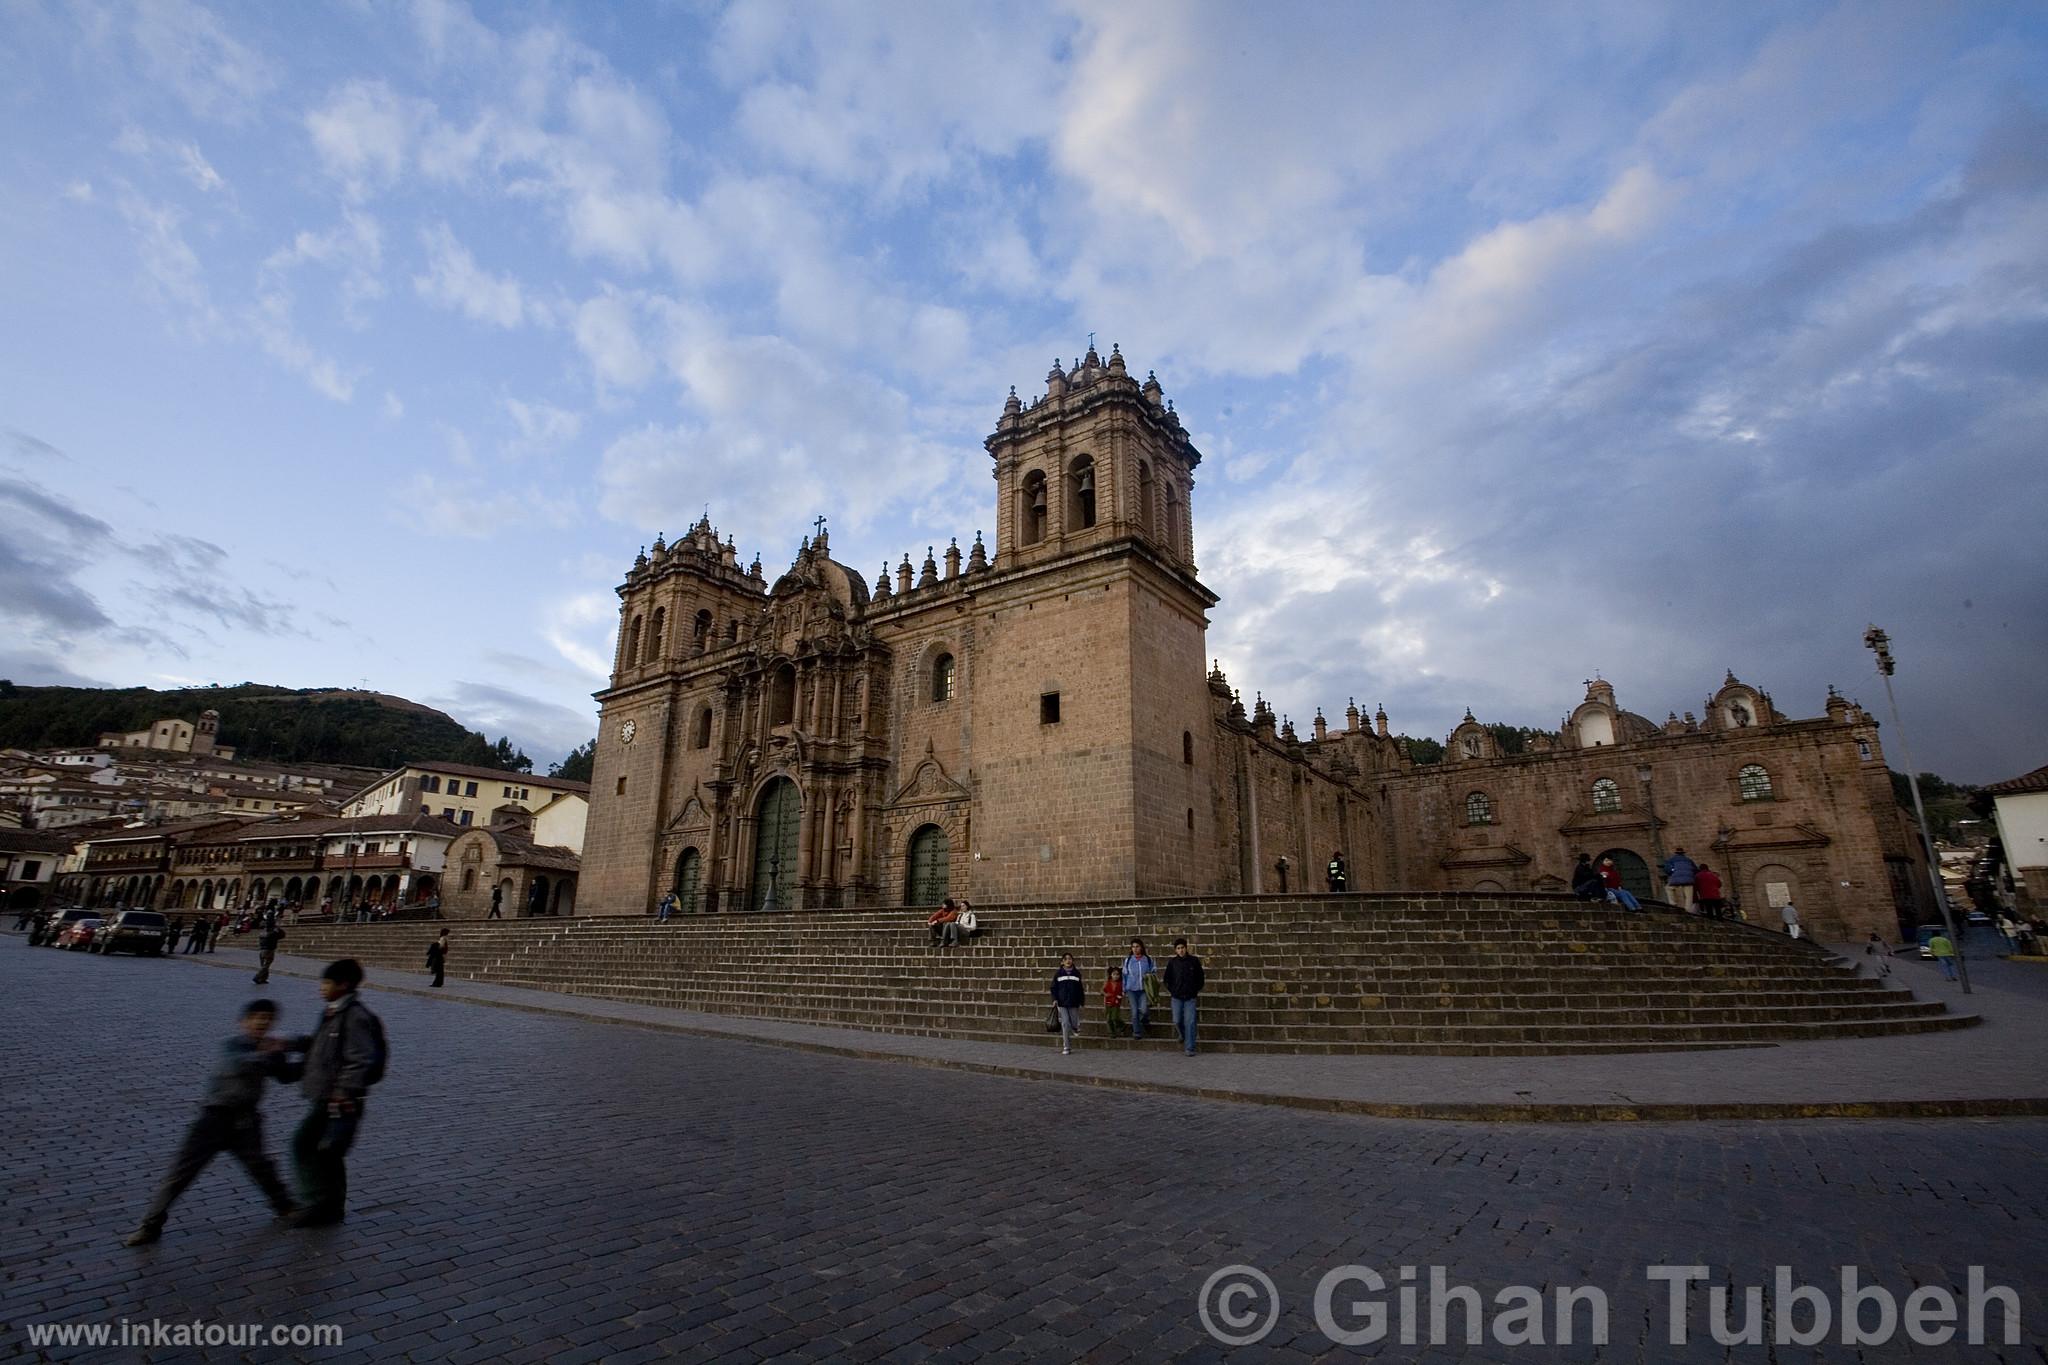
x=1099, y=458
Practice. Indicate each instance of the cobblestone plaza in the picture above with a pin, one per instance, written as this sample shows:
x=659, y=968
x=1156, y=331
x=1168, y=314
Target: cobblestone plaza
x=532, y=1188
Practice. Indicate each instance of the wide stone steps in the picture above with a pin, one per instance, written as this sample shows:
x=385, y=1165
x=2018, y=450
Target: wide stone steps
x=1486, y=975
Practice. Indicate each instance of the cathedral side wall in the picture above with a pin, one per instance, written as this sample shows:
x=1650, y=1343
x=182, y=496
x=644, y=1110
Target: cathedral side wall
x=1053, y=811
x=618, y=875
x=1175, y=758
x=1817, y=837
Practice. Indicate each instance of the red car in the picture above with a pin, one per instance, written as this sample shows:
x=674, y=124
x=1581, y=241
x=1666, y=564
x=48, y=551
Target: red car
x=78, y=934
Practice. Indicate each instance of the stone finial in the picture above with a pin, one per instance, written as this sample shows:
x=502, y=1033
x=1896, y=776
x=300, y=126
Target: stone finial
x=1729, y=680
x=929, y=575
x=1116, y=359
x=1287, y=730
x=1237, y=706
x=977, y=556
x=660, y=546
x=953, y=559
x=1216, y=671
x=903, y=573
x=640, y=560
x=1153, y=393
x=1055, y=380
x=1351, y=715
x=882, y=582
x=1011, y=406
x=754, y=569
x=1379, y=722
x=1322, y=727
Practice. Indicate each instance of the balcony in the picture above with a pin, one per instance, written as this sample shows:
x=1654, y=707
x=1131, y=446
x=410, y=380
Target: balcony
x=367, y=862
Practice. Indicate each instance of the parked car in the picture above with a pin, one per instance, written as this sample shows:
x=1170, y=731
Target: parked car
x=135, y=931
x=64, y=920
x=78, y=934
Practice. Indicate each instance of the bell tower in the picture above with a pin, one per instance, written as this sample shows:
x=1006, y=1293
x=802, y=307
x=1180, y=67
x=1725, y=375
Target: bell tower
x=1100, y=457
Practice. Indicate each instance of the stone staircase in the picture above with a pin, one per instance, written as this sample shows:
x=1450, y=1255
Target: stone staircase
x=1451, y=973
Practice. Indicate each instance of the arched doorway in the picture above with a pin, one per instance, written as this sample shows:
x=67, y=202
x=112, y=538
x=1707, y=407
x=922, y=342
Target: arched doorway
x=537, y=896
x=565, y=896
x=689, y=878
x=1771, y=888
x=775, y=833
x=1635, y=873
x=926, y=882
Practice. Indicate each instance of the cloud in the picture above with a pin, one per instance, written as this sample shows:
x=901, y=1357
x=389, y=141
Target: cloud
x=542, y=427
x=454, y=280
x=187, y=50
x=183, y=157
x=544, y=730
x=171, y=269
x=582, y=628
x=474, y=507
x=363, y=135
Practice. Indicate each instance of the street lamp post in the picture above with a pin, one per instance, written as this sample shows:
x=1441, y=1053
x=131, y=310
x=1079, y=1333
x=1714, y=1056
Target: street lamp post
x=1643, y=775
x=1880, y=644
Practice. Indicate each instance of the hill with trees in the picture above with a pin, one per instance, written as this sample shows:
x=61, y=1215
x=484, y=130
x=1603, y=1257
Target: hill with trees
x=286, y=725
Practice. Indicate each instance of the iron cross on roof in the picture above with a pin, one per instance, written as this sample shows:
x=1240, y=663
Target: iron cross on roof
x=819, y=525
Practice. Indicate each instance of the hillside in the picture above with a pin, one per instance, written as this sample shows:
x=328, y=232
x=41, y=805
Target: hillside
x=309, y=725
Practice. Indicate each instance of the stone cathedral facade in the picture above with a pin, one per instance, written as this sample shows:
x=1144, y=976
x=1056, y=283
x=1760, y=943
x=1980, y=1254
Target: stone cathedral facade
x=1037, y=723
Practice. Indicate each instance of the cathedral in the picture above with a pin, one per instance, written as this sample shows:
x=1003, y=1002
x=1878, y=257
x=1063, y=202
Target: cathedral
x=1037, y=723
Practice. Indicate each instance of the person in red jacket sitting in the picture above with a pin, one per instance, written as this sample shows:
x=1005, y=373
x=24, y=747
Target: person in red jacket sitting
x=1610, y=877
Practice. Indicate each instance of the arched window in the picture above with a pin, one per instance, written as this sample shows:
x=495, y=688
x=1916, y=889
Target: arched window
x=1081, y=494
x=942, y=678
x=702, y=631
x=1145, y=496
x=732, y=630
x=1031, y=509
x=1755, y=782
x=702, y=738
x=782, y=695
x=469, y=879
x=1187, y=746
x=1606, y=795
x=654, y=635
x=631, y=654
x=1172, y=521
x=926, y=881
x=1478, y=809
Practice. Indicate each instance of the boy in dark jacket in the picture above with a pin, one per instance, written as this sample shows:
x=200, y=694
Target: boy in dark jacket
x=230, y=1120
x=266, y=950
x=1184, y=981
x=342, y=1057
x=1066, y=998
x=437, y=957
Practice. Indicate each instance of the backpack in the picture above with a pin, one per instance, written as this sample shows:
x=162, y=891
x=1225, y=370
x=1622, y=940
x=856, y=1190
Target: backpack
x=383, y=1057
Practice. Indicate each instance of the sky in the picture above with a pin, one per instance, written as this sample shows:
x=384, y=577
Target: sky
x=364, y=344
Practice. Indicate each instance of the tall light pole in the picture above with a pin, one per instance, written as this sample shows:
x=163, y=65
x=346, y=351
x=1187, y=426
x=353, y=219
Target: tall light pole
x=1880, y=644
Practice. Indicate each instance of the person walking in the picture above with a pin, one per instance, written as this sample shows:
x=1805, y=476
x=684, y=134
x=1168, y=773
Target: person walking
x=230, y=1120
x=219, y=927
x=497, y=903
x=1880, y=955
x=266, y=950
x=1113, y=1003
x=1944, y=950
x=1066, y=998
x=1790, y=914
x=345, y=1056
x=1680, y=874
x=172, y=934
x=1184, y=981
x=1706, y=885
x=437, y=957
x=1137, y=966
x=196, y=940
x=1340, y=875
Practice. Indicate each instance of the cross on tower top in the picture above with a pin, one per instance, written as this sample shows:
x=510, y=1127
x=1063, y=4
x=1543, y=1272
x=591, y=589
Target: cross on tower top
x=819, y=525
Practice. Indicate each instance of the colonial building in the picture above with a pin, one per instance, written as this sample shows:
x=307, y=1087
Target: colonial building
x=460, y=793
x=2019, y=806
x=512, y=859
x=1036, y=725
x=174, y=735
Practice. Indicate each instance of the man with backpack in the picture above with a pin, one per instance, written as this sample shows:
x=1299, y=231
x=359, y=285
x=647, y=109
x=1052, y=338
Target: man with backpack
x=345, y=1056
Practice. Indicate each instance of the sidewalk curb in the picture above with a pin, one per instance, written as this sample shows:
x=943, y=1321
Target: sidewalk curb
x=2015, y=1107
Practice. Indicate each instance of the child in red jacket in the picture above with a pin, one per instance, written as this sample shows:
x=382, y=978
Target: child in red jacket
x=1113, y=1003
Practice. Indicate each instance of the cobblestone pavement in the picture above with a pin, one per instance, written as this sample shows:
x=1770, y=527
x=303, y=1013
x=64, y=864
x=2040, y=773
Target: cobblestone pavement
x=533, y=1188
